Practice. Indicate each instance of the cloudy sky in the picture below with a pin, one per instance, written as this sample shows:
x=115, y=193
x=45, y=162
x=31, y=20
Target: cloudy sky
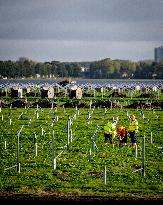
x=80, y=30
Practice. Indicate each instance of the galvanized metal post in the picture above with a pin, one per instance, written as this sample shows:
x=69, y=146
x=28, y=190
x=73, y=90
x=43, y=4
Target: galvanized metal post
x=17, y=160
x=17, y=154
x=10, y=121
x=102, y=92
x=68, y=134
x=35, y=145
x=111, y=105
x=89, y=156
x=93, y=145
x=53, y=154
x=5, y=144
x=52, y=144
x=136, y=151
x=151, y=138
x=143, y=156
x=36, y=150
x=105, y=176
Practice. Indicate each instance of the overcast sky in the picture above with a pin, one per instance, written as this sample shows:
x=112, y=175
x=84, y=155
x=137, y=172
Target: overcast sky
x=80, y=30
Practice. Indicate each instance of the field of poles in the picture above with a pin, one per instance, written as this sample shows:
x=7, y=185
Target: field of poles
x=45, y=150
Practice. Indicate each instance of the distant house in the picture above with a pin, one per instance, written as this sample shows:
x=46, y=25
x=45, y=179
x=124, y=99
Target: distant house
x=124, y=75
x=57, y=89
x=16, y=92
x=137, y=87
x=84, y=69
x=38, y=75
x=75, y=92
x=47, y=92
x=154, y=88
x=3, y=92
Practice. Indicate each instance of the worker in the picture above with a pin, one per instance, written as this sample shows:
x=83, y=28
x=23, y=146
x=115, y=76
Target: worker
x=133, y=130
x=121, y=134
x=110, y=132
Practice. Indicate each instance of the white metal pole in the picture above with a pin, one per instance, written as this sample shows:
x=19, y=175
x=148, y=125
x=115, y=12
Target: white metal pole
x=143, y=156
x=151, y=138
x=53, y=154
x=136, y=152
x=68, y=134
x=5, y=144
x=89, y=156
x=18, y=164
x=105, y=176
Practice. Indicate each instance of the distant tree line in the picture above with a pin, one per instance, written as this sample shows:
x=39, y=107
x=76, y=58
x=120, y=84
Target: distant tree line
x=102, y=69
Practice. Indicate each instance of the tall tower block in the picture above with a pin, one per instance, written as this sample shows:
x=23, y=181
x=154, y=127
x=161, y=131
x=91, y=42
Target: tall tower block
x=158, y=54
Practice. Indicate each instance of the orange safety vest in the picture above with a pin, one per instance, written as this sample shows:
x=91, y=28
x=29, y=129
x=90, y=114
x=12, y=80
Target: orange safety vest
x=122, y=132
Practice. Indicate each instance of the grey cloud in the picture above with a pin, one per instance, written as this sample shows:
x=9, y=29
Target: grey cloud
x=76, y=10
x=84, y=31
x=78, y=19
x=88, y=21
x=48, y=50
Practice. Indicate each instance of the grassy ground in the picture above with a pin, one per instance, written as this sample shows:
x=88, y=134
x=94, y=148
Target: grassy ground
x=74, y=173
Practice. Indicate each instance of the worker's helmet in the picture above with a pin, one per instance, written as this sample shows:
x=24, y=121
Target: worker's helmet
x=114, y=121
x=120, y=128
x=132, y=117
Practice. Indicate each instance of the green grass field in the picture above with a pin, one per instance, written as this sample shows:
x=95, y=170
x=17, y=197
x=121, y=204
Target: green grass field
x=74, y=173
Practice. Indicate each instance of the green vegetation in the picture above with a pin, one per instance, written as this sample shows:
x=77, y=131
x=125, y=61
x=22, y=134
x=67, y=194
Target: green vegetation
x=74, y=173
x=102, y=69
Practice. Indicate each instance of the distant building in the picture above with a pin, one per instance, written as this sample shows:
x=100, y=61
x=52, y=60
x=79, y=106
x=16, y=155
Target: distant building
x=75, y=92
x=84, y=69
x=47, y=92
x=159, y=54
x=16, y=92
x=38, y=75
